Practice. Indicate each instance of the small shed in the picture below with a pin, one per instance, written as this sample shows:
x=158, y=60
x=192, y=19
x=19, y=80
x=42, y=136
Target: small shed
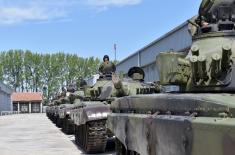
x=27, y=102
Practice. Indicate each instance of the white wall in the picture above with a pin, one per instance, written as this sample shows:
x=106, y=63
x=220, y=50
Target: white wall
x=5, y=98
x=5, y=102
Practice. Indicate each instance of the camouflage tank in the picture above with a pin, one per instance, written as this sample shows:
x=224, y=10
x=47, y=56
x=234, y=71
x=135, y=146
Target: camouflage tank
x=55, y=111
x=58, y=105
x=91, y=114
x=68, y=106
x=52, y=109
x=199, y=118
x=49, y=110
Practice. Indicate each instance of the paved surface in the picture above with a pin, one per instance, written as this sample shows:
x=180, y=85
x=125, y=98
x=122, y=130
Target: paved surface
x=34, y=134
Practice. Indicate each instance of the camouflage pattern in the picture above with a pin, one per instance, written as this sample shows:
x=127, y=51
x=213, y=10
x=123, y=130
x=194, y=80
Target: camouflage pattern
x=90, y=114
x=175, y=124
x=52, y=110
x=199, y=119
x=93, y=108
x=59, y=110
x=98, y=97
x=107, y=68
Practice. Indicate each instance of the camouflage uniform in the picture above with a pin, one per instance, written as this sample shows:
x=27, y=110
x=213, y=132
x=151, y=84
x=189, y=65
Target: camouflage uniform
x=107, y=68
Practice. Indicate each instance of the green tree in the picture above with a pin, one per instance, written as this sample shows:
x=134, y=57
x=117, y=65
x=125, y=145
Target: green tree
x=27, y=71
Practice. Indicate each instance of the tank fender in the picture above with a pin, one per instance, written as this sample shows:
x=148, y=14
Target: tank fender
x=86, y=114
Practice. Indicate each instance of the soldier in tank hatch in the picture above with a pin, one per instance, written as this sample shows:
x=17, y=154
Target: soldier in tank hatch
x=107, y=67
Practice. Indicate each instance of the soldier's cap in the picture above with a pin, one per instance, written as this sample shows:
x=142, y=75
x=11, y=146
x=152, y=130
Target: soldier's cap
x=105, y=57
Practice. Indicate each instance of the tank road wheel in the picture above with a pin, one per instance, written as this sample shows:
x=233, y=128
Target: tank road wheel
x=121, y=150
x=92, y=136
x=64, y=126
x=132, y=153
x=119, y=147
x=53, y=119
x=76, y=134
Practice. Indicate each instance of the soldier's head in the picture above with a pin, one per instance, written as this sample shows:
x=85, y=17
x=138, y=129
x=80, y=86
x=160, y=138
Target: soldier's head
x=106, y=58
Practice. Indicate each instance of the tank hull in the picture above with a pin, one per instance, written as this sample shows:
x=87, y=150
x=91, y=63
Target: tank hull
x=175, y=124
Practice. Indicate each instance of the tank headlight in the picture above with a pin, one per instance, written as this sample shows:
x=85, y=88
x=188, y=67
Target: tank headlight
x=68, y=112
x=105, y=114
x=98, y=115
x=92, y=116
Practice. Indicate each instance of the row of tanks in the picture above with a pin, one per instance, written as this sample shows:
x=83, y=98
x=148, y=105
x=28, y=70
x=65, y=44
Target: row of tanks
x=197, y=118
x=84, y=112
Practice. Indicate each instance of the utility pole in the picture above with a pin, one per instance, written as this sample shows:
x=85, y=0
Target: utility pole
x=115, y=51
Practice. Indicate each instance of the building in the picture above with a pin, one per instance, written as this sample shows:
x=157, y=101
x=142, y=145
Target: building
x=27, y=102
x=5, y=98
x=179, y=39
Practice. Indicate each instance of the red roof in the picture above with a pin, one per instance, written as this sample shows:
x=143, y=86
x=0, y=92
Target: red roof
x=26, y=97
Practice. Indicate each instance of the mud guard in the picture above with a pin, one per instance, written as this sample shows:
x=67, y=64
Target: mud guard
x=91, y=112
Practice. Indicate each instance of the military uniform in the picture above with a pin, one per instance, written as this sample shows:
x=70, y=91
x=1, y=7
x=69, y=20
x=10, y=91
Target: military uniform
x=107, y=68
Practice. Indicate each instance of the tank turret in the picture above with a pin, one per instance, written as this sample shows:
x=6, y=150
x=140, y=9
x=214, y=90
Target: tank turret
x=134, y=85
x=209, y=65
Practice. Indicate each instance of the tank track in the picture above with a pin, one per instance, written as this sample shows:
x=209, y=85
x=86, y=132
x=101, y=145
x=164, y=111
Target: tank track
x=58, y=122
x=92, y=137
x=67, y=127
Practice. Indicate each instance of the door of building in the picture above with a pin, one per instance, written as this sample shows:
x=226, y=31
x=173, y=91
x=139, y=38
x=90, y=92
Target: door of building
x=35, y=107
x=24, y=108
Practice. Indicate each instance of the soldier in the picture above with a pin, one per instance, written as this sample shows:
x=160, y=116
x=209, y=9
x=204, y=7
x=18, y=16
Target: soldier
x=107, y=67
x=200, y=20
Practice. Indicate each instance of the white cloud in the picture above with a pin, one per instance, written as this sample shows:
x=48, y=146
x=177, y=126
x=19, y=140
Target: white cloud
x=108, y=3
x=13, y=15
x=19, y=11
x=103, y=5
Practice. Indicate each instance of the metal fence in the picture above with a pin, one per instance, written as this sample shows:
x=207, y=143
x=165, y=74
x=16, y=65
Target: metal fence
x=3, y=113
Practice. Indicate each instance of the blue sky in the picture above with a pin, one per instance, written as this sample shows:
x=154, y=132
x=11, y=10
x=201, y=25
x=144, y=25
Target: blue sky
x=89, y=27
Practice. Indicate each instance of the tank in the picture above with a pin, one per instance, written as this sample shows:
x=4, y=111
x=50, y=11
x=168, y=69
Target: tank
x=91, y=114
x=64, y=115
x=57, y=109
x=67, y=105
x=197, y=118
x=52, y=109
x=59, y=104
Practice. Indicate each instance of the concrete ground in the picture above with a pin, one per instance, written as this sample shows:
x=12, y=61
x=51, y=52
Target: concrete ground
x=34, y=134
